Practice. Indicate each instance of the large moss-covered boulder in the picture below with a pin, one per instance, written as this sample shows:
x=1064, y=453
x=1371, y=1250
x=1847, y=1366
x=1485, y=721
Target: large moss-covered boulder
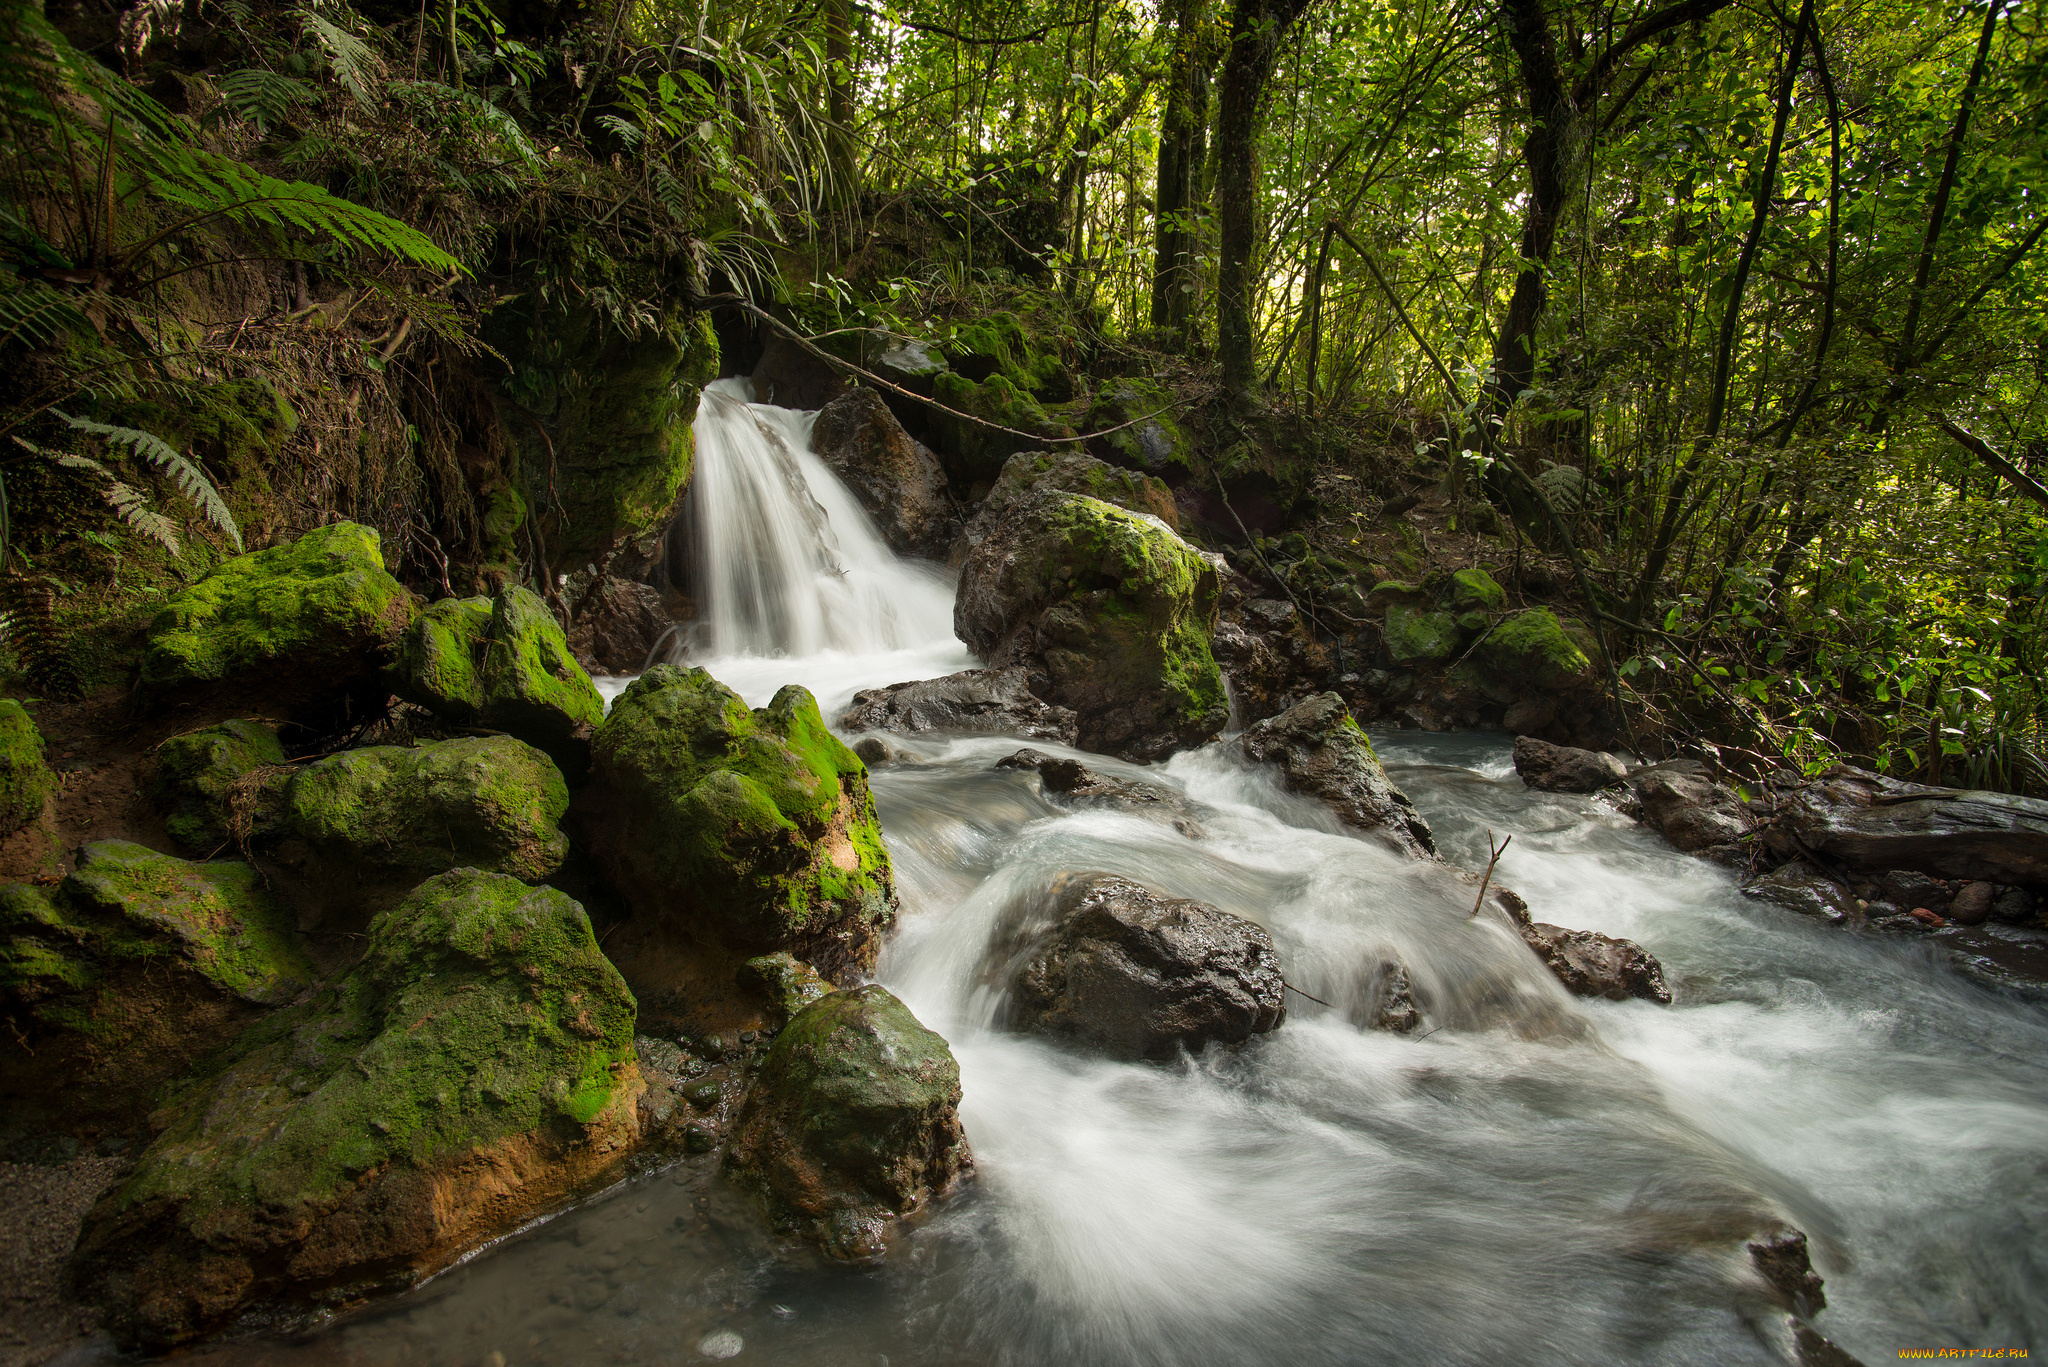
x=1115, y=608
x=1533, y=651
x=476, y=1066
x=136, y=964
x=973, y=452
x=1138, y=418
x=1076, y=472
x=300, y=630
x=25, y=779
x=601, y=417
x=196, y=772
x=394, y=815
x=1415, y=636
x=724, y=826
x=852, y=1124
x=501, y=664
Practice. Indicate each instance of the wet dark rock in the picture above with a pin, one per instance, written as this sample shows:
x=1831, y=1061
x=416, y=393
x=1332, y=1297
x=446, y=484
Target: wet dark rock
x=1561, y=769
x=1075, y=472
x=1269, y=653
x=1864, y=821
x=974, y=701
x=1911, y=889
x=1386, y=999
x=1529, y=715
x=852, y=1124
x=1689, y=809
x=2010, y=958
x=1799, y=887
x=897, y=480
x=1117, y=611
x=1590, y=964
x=1325, y=756
x=1070, y=782
x=2016, y=906
x=617, y=626
x=1135, y=974
x=874, y=751
x=787, y=983
x=1779, y=1255
x=1971, y=906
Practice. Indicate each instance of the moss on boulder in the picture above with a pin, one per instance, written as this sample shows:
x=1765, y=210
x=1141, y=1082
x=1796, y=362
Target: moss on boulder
x=1148, y=437
x=475, y=1066
x=1418, y=637
x=302, y=627
x=1074, y=472
x=750, y=829
x=196, y=770
x=1118, y=608
x=971, y=452
x=25, y=779
x=852, y=1123
x=1533, y=650
x=785, y=981
x=487, y=802
x=1474, y=590
x=501, y=664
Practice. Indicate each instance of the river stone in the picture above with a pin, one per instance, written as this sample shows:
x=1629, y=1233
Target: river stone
x=1590, y=964
x=1116, y=608
x=971, y=451
x=973, y=701
x=897, y=480
x=1069, y=782
x=502, y=664
x=475, y=1067
x=1799, y=887
x=617, y=625
x=786, y=982
x=1689, y=809
x=25, y=779
x=1075, y=472
x=750, y=829
x=852, y=1124
x=483, y=802
x=299, y=630
x=1134, y=974
x=1561, y=769
x=1972, y=904
x=1864, y=821
x=1326, y=756
x=195, y=772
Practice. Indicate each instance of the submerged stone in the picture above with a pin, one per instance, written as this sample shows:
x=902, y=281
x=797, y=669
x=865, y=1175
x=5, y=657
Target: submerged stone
x=724, y=826
x=853, y=1123
x=974, y=700
x=475, y=1066
x=302, y=628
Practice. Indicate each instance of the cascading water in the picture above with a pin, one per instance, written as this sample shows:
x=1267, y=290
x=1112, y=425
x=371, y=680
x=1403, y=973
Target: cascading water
x=1536, y=1180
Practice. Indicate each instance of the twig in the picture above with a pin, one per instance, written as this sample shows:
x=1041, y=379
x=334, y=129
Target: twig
x=1299, y=993
x=1487, y=881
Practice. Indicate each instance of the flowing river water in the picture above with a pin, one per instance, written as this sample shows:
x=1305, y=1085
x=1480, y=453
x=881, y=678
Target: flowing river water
x=1530, y=1179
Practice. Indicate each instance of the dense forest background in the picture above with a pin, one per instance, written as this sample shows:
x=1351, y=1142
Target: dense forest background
x=1735, y=311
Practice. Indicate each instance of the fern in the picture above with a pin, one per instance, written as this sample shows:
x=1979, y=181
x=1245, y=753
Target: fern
x=190, y=479
x=625, y=130
x=264, y=98
x=355, y=63
x=35, y=313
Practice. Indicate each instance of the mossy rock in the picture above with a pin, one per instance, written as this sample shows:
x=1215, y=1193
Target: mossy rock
x=1474, y=590
x=301, y=628
x=724, y=826
x=1533, y=651
x=1149, y=435
x=1473, y=622
x=1418, y=637
x=852, y=1123
x=128, y=906
x=195, y=772
x=501, y=664
x=25, y=779
x=785, y=981
x=971, y=452
x=1120, y=609
x=1000, y=344
x=1075, y=472
x=1391, y=593
x=476, y=1066
x=615, y=448
x=389, y=811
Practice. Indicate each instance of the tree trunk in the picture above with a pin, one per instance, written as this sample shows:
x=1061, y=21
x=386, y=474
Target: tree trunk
x=1183, y=137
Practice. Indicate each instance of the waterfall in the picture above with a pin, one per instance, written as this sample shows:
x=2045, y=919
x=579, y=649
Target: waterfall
x=791, y=578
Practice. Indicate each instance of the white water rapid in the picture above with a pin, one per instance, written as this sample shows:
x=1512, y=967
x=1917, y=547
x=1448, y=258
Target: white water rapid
x=1542, y=1180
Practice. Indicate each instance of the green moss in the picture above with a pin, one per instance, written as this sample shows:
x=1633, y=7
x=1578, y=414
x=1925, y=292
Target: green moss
x=324, y=596
x=1473, y=621
x=1149, y=436
x=1475, y=590
x=974, y=452
x=760, y=821
x=1074, y=472
x=488, y=802
x=1532, y=649
x=787, y=982
x=25, y=780
x=195, y=771
x=482, y=1010
x=1417, y=637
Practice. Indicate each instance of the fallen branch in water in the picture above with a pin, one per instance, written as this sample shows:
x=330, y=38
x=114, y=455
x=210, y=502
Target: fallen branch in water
x=1299, y=993
x=1485, y=882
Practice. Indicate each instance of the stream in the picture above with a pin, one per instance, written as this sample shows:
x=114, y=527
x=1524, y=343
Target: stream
x=1529, y=1179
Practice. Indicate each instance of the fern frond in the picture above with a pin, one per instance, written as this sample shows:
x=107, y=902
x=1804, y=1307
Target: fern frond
x=625, y=130
x=132, y=506
x=355, y=63
x=190, y=479
x=34, y=312
x=264, y=98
